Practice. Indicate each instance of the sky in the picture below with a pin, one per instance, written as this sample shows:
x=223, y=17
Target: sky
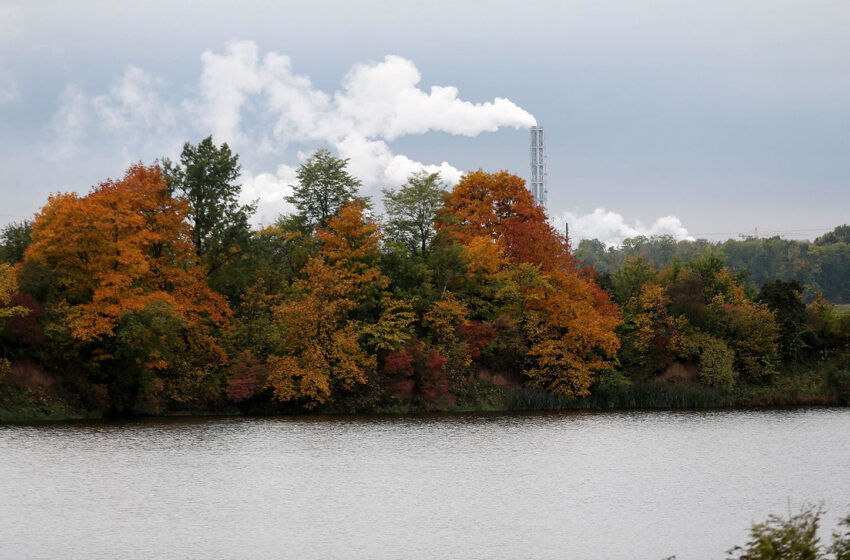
x=697, y=119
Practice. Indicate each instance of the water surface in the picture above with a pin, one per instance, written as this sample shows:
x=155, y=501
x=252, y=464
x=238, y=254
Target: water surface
x=614, y=485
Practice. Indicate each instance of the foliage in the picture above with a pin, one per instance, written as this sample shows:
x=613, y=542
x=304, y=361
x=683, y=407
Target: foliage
x=152, y=293
x=205, y=178
x=411, y=211
x=778, y=538
x=321, y=353
x=714, y=357
x=14, y=240
x=128, y=297
x=118, y=249
x=785, y=299
x=324, y=186
x=819, y=266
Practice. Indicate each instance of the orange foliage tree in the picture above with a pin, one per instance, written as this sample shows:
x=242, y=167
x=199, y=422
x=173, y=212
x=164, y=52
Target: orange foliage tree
x=520, y=264
x=321, y=352
x=119, y=248
x=124, y=251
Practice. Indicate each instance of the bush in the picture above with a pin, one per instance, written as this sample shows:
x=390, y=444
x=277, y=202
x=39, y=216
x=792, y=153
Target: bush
x=838, y=379
x=794, y=538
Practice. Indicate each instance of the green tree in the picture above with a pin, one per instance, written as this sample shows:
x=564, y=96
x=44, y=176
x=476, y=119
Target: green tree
x=324, y=186
x=206, y=177
x=14, y=240
x=785, y=299
x=841, y=234
x=411, y=211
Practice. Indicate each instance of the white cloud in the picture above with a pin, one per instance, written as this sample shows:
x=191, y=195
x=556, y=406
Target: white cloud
x=269, y=190
x=611, y=228
x=133, y=118
x=134, y=104
x=261, y=107
x=378, y=102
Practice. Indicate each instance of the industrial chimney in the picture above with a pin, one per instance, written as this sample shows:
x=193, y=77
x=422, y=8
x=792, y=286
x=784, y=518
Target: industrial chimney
x=538, y=166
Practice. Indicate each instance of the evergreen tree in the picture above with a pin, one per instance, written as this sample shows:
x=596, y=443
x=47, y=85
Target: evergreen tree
x=206, y=177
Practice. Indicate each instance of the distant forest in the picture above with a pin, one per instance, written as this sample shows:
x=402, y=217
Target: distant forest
x=821, y=266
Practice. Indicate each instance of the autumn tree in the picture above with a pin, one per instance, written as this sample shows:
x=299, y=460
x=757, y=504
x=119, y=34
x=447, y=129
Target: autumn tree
x=8, y=308
x=519, y=267
x=124, y=250
x=324, y=186
x=499, y=206
x=205, y=177
x=321, y=355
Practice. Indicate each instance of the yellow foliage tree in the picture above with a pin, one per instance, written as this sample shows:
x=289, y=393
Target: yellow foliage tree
x=321, y=354
x=8, y=288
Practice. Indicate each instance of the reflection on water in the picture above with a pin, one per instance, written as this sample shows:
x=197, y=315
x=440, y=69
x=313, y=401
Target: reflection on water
x=569, y=485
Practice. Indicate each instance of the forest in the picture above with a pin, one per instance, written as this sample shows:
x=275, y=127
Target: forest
x=153, y=294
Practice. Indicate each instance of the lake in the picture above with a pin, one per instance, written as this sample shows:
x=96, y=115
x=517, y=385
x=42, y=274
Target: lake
x=604, y=485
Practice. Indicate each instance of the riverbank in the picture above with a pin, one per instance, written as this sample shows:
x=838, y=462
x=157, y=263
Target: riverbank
x=824, y=383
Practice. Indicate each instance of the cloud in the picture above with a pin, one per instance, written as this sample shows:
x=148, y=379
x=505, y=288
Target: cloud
x=378, y=102
x=12, y=24
x=134, y=119
x=269, y=191
x=134, y=104
x=611, y=228
x=262, y=107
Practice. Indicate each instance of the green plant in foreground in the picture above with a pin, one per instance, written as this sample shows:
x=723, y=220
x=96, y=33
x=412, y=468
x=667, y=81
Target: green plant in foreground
x=793, y=538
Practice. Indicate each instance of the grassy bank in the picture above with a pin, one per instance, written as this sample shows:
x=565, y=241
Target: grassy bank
x=825, y=382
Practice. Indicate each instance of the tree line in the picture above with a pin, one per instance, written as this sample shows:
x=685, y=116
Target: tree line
x=152, y=293
x=821, y=267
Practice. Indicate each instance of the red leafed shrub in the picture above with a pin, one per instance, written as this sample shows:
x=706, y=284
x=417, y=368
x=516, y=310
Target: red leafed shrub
x=413, y=371
x=248, y=378
x=478, y=336
x=400, y=371
x=434, y=380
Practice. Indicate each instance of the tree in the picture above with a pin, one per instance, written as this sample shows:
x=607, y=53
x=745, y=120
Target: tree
x=122, y=246
x=841, y=234
x=498, y=206
x=794, y=538
x=14, y=240
x=518, y=267
x=129, y=291
x=205, y=178
x=785, y=299
x=321, y=356
x=412, y=209
x=8, y=308
x=324, y=186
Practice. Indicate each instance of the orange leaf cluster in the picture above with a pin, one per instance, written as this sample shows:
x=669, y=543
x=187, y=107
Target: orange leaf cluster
x=119, y=248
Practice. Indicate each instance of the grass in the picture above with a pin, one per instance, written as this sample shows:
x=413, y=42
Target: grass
x=638, y=395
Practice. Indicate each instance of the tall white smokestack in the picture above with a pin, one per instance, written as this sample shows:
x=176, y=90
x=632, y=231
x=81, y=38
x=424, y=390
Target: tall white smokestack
x=538, y=166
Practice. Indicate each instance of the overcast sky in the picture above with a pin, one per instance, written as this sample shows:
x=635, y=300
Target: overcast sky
x=714, y=117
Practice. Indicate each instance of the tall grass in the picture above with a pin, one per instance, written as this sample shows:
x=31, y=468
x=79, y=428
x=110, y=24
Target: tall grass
x=639, y=395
